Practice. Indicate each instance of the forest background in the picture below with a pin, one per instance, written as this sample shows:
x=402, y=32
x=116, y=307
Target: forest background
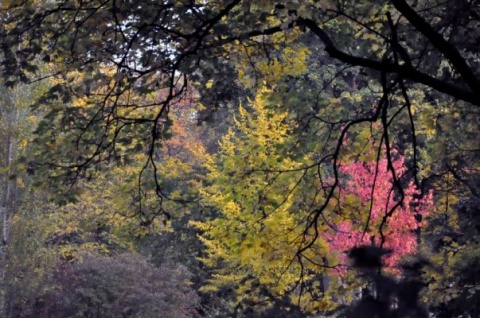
x=220, y=158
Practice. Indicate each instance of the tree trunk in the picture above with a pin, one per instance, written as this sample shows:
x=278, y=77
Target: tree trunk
x=9, y=189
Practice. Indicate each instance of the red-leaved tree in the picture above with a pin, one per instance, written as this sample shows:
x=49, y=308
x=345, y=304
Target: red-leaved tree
x=367, y=196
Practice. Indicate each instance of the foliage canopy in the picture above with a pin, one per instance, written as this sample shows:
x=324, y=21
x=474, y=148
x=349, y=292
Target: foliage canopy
x=358, y=124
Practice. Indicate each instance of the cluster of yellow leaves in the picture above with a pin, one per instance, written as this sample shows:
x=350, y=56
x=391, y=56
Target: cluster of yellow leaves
x=107, y=213
x=254, y=188
x=290, y=59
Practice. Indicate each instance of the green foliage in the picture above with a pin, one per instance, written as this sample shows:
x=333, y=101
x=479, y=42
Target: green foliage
x=31, y=262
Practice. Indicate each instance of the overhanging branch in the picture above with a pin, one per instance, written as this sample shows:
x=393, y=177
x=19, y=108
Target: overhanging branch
x=405, y=70
x=447, y=49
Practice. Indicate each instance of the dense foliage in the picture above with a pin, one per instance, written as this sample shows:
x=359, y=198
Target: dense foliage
x=238, y=158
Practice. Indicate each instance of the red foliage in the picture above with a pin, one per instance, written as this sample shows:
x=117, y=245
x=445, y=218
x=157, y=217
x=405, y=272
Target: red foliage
x=399, y=230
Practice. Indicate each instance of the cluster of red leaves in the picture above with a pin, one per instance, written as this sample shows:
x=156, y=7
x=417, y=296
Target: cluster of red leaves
x=371, y=184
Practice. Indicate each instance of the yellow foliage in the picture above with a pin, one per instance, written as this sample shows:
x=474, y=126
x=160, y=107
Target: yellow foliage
x=291, y=60
x=256, y=234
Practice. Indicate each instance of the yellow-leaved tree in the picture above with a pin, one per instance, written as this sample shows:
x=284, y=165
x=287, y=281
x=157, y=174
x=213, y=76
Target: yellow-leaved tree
x=258, y=199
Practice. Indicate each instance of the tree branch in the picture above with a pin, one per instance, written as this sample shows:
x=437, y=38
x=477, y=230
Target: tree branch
x=447, y=49
x=405, y=70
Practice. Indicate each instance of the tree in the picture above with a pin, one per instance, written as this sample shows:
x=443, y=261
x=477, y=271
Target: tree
x=262, y=196
x=47, y=239
x=106, y=29
x=368, y=189
x=251, y=210
x=413, y=66
x=16, y=124
x=119, y=286
x=147, y=46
